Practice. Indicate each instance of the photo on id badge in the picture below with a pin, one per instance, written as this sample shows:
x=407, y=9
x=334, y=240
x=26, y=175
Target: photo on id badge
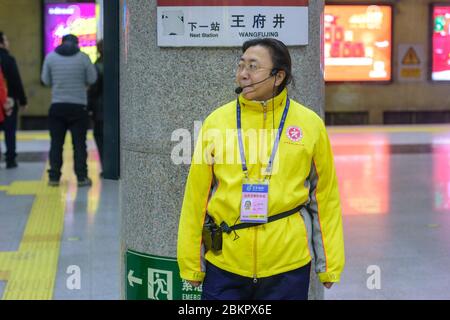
x=254, y=202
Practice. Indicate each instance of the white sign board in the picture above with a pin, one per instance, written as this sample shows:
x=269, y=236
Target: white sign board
x=229, y=24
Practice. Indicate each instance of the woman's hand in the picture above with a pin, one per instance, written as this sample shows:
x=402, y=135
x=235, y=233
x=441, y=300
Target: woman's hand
x=195, y=283
x=327, y=284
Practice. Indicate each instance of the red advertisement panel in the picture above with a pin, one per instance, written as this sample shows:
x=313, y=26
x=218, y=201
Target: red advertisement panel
x=358, y=42
x=441, y=43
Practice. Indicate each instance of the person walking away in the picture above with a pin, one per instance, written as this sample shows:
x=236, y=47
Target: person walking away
x=69, y=72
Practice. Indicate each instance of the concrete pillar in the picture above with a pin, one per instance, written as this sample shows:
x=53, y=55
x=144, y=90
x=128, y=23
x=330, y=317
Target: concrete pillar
x=163, y=89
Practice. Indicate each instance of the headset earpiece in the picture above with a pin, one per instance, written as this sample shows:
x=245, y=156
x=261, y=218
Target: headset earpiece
x=274, y=72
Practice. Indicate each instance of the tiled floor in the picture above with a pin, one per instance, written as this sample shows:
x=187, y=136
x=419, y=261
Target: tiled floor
x=87, y=261
x=395, y=191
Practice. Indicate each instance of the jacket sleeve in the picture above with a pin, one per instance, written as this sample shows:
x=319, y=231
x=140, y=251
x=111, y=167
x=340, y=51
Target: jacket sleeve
x=325, y=209
x=3, y=94
x=12, y=75
x=91, y=72
x=46, y=75
x=190, y=253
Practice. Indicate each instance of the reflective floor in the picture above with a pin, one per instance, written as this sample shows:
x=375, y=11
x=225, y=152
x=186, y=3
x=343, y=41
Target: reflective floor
x=395, y=190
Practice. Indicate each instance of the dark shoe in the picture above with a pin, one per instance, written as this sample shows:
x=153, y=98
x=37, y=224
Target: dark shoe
x=53, y=183
x=86, y=182
x=11, y=164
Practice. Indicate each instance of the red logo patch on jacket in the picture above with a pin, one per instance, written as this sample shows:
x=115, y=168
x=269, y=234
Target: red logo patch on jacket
x=294, y=134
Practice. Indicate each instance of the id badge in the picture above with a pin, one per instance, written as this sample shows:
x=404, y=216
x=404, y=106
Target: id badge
x=254, y=203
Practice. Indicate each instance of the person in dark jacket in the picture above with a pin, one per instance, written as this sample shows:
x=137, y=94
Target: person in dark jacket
x=17, y=93
x=69, y=72
x=95, y=102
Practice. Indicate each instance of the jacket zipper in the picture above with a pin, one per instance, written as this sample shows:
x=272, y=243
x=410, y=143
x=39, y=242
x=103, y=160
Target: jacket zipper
x=255, y=279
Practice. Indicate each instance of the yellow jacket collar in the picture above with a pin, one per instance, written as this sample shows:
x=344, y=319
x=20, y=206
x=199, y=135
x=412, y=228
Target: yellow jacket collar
x=278, y=101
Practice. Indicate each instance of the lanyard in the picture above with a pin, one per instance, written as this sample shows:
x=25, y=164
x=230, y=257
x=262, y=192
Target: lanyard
x=275, y=145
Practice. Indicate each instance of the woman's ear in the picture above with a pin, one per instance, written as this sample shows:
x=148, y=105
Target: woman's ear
x=279, y=77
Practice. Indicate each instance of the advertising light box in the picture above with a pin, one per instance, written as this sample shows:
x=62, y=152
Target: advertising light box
x=357, y=42
x=79, y=19
x=440, y=69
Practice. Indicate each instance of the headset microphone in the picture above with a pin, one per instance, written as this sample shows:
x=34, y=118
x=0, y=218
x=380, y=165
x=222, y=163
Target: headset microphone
x=238, y=90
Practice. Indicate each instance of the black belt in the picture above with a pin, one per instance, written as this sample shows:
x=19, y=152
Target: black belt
x=227, y=229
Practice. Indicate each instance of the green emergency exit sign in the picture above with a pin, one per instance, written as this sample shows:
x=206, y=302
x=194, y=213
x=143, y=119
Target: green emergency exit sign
x=155, y=278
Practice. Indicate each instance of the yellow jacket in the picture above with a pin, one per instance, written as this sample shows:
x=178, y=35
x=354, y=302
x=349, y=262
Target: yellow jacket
x=303, y=173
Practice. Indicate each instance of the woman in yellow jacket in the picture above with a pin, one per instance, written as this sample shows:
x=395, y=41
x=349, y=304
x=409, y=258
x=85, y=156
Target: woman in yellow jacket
x=262, y=179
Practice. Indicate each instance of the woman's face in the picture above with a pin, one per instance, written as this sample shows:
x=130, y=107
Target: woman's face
x=256, y=65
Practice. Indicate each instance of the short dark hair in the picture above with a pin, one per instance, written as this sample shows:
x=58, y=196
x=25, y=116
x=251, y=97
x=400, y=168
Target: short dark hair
x=281, y=58
x=2, y=40
x=70, y=38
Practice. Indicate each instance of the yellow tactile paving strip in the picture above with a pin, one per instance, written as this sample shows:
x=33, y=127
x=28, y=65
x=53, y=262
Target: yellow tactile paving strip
x=30, y=271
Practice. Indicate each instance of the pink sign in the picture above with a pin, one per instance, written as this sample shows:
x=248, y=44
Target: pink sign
x=71, y=18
